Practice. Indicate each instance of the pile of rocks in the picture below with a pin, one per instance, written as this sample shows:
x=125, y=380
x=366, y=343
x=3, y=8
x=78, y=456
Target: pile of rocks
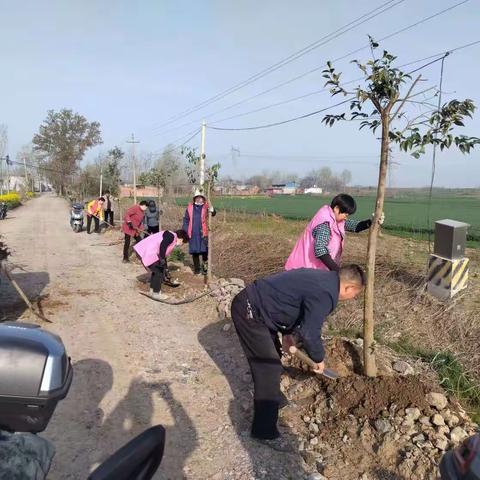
x=408, y=441
x=224, y=291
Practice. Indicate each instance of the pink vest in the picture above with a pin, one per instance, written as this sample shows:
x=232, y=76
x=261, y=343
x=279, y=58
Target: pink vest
x=148, y=249
x=303, y=254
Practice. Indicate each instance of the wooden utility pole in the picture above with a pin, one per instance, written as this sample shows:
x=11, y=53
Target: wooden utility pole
x=25, y=170
x=133, y=142
x=202, y=155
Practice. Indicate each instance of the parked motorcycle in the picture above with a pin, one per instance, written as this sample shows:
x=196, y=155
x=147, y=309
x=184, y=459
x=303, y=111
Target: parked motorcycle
x=29, y=394
x=3, y=210
x=76, y=217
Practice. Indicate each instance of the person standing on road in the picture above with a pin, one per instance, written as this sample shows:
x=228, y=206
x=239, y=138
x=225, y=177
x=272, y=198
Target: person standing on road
x=297, y=300
x=95, y=211
x=108, y=209
x=153, y=251
x=132, y=227
x=152, y=218
x=195, y=224
x=321, y=244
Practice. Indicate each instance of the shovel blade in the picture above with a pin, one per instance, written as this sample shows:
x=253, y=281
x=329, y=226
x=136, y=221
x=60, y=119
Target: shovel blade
x=329, y=373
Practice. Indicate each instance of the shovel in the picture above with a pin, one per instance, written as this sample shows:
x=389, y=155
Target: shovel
x=327, y=372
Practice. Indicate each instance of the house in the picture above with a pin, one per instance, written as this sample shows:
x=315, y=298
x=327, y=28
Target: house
x=282, y=189
x=313, y=191
x=142, y=191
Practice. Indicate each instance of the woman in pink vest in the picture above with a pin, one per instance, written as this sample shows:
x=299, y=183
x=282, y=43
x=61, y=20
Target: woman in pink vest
x=195, y=224
x=321, y=244
x=153, y=252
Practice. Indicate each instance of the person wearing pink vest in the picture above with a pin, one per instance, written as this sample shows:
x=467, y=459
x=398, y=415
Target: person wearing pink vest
x=195, y=224
x=321, y=244
x=153, y=252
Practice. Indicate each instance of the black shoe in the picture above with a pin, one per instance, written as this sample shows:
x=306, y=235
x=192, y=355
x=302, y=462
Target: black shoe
x=126, y=260
x=278, y=444
x=89, y=233
x=197, y=272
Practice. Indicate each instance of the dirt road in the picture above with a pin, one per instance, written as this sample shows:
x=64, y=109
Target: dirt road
x=137, y=363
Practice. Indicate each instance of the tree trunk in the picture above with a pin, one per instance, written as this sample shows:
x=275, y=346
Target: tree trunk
x=368, y=314
x=209, y=246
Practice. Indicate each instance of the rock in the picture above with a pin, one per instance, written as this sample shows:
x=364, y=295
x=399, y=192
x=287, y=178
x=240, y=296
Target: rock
x=227, y=327
x=345, y=439
x=313, y=427
x=443, y=430
x=316, y=476
x=413, y=413
x=382, y=426
x=307, y=419
x=458, y=434
x=403, y=368
x=420, y=438
x=438, y=420
x=358, y=342
x=237, y=282
x=441, y=443
x=452, y=421
x=314, y=441
x=425, y=421
x=437, y=400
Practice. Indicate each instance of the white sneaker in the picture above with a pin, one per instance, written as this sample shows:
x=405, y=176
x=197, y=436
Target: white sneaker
x=159, y=296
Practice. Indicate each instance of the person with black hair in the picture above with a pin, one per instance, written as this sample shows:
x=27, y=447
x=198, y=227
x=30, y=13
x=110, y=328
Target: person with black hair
x=298, y=300
x=108, y=209
x=321, y=244
x=95, y=212
x=153, y=252
x=133, y=227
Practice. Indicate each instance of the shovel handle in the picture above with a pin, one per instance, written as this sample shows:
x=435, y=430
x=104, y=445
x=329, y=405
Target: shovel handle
x=302, y=356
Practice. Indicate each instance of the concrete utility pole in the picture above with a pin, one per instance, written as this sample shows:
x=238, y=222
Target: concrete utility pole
x=202, y=155
x=25, y=169
x=133, y=142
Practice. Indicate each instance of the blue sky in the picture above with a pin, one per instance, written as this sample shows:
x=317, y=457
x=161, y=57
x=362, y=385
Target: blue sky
x=132, y=65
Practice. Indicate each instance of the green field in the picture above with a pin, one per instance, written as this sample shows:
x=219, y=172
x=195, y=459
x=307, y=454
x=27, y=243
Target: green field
x=406, y=216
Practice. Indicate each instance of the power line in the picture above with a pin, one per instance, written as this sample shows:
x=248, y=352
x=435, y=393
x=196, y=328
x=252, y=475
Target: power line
x=322, y=41
x=193, y=134
x=311, y=114
x=316, y=69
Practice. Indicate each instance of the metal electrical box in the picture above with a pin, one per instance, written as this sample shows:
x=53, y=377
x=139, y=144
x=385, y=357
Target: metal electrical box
x=450, y=239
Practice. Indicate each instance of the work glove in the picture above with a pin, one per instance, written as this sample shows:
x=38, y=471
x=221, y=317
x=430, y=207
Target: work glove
x=130, y=225
x=211, y=209
x=381, y=220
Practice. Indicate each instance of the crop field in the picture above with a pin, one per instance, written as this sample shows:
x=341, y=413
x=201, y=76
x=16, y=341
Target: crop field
x=406, y=216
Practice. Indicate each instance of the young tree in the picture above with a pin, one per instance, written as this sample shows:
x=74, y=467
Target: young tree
x=111, y=169
x=389, y=91
x=63, y=139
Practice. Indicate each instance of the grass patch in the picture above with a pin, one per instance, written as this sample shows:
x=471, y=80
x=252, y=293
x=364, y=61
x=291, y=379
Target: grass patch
x=453, y=377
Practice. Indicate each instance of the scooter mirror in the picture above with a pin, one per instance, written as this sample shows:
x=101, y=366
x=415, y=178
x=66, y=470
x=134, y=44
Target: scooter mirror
x=139, y=459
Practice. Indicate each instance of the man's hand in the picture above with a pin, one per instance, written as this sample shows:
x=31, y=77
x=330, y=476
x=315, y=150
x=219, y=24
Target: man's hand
x=320, y=367
x=287, y=342
x=211, y=209
x=130, y=225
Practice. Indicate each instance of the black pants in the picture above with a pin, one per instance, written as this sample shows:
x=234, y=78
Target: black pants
x=196, y=260
x=158, y=276
x=89, y=223
x=126, y=245
x=152, y=230
x=261, y=347
x=109, y=217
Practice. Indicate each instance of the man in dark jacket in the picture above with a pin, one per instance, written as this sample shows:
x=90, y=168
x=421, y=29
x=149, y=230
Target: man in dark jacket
x=132, y=227
x=297, y=300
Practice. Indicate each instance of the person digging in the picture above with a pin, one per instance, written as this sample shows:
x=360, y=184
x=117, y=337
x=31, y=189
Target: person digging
x=299, y=300
x=95, y=212
x=153, y=252
x=133, y=227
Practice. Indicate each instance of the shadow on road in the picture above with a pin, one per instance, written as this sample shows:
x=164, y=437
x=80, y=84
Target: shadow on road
x=12, y=306
x=226, y=351
x=134, y=414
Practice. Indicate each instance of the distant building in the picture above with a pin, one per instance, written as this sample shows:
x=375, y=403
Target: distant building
x=142, y=191
x=313, y=191
x=282, y=189
x=16, y=183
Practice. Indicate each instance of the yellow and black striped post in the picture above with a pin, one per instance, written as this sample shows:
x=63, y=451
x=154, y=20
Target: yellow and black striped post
x=446, y=277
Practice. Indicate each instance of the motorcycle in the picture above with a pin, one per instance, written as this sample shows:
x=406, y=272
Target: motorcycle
x=3, y=210
x=76, y=217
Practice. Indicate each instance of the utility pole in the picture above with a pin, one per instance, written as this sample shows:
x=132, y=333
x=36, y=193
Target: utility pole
x=101, y=180
x=25, y=170
x=133, y=142
x=202, y=155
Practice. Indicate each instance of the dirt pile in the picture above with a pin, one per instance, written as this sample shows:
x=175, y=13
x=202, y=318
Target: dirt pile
x=389, y=427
